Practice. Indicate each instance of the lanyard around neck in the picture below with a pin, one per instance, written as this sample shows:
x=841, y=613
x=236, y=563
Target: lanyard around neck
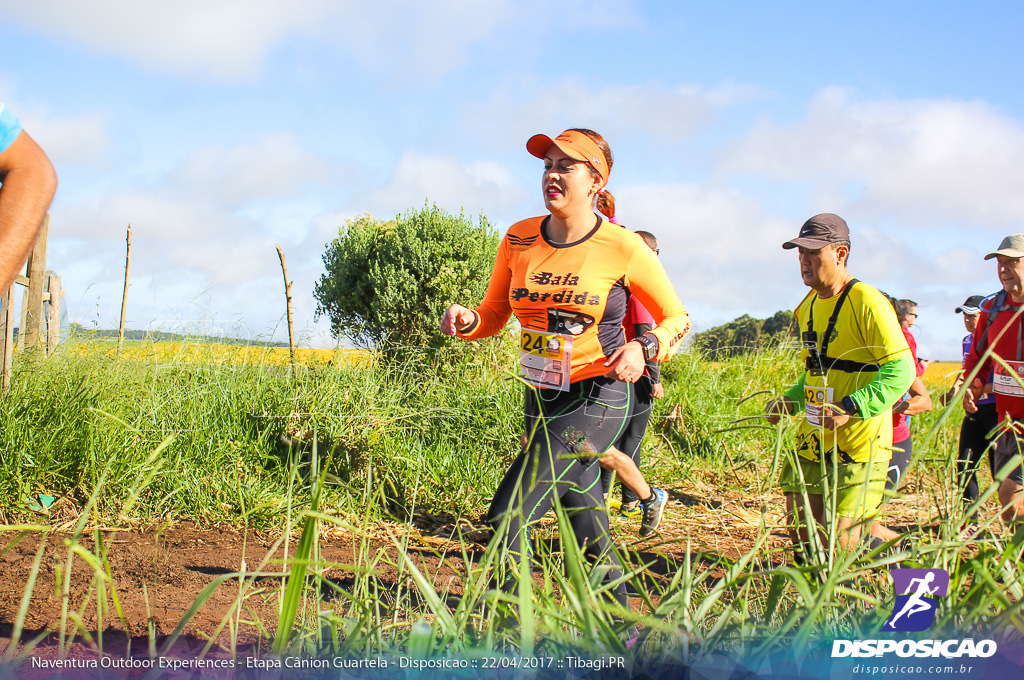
x=832, y=319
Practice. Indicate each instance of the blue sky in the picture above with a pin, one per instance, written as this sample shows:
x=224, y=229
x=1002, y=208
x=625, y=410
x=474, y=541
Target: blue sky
x=218, y=129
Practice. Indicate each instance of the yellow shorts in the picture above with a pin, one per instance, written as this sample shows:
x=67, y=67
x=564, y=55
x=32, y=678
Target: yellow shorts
x=858, y=486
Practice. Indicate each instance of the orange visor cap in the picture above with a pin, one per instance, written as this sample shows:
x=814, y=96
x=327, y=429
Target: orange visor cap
x=574, y=145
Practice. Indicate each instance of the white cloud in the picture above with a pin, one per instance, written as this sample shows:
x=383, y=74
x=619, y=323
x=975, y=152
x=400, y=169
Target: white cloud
x=231, y=39
x=662, y=113
x=167, y=215
x=73, y=140
x=413, y=40
x=182, y=254
x=192, y=262
x=453, y=185
x=227, y=40
x=81, y=140
x=921, y=162
x=273, y=167
x=201, y=247
x=417, y=39
x=721, y=249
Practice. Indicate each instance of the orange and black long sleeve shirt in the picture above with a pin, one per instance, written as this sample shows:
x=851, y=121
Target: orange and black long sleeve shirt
x=580, y=289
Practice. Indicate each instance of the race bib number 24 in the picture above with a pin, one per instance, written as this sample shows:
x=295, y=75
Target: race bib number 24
x=544, y=358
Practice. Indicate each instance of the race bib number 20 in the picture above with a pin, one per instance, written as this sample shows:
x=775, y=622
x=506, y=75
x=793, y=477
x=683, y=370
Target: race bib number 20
x=544, y=358
x=815, y=398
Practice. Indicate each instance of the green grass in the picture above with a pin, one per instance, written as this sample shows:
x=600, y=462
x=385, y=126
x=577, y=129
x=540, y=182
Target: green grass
x=63, y=423
x=135, y=440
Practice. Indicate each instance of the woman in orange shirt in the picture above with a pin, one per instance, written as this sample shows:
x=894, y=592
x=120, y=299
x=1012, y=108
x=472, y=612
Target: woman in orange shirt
x=567, y=277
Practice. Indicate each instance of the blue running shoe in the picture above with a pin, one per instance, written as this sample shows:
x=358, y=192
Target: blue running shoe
x=652, y=511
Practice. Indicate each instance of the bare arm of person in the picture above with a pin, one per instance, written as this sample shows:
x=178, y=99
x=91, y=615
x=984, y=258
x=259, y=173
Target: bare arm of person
x=28, y=185
x=920, y=401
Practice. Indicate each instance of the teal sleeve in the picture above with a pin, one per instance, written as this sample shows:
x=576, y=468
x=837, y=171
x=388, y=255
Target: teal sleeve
x=796, y=392
x=893, y=380
x=10, y=128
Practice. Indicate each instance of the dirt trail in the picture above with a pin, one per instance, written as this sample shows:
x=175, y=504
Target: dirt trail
x=159, y=572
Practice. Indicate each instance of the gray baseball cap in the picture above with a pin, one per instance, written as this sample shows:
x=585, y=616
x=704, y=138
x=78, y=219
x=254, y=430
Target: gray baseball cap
x=1011, y=246
x=819, y=231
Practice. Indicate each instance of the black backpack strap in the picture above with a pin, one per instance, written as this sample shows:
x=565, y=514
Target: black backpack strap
x=847, y=365
x=820, y=360
x=998, y=305
x=835, y=315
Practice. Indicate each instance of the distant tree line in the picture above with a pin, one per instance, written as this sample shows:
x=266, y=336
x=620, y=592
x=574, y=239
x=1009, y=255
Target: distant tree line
x=745, y=335
x=78, y=331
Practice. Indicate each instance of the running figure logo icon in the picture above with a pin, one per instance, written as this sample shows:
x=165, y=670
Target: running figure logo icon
x=916, y=593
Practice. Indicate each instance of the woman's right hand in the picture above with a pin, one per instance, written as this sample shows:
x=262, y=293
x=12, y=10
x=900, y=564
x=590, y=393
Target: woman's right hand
x=456, y=318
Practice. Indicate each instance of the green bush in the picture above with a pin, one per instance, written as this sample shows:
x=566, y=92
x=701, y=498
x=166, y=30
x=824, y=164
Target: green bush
x=745, y=335
x=387, y=283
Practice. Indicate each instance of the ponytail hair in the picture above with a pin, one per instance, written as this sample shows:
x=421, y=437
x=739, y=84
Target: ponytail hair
x=605, y=205
x=605, y=202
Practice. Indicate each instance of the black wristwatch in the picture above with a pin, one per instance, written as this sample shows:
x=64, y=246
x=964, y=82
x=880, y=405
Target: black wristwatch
x=850, y=406
x=650, y=344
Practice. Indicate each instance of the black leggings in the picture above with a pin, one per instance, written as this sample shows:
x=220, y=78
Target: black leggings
x=901, y=454
x=633, y=435
x=566, y=434
x=974, y=441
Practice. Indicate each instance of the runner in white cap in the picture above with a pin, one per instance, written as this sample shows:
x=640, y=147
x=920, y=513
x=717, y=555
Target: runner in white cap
x=1000, y=333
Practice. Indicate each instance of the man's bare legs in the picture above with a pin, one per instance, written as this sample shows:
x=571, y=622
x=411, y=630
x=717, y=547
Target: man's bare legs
x=1011, y=498
x=848, y=529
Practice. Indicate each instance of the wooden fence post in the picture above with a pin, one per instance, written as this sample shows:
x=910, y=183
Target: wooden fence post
x=43, y=287
x=288, y=308
x=36, y=285
x=124, y=295
x=53, y=313
x=7, y=319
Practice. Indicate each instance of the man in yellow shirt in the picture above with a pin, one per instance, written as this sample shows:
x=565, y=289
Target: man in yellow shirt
x=857, y=365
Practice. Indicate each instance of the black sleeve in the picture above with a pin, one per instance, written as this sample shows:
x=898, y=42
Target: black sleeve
x=653, y=367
